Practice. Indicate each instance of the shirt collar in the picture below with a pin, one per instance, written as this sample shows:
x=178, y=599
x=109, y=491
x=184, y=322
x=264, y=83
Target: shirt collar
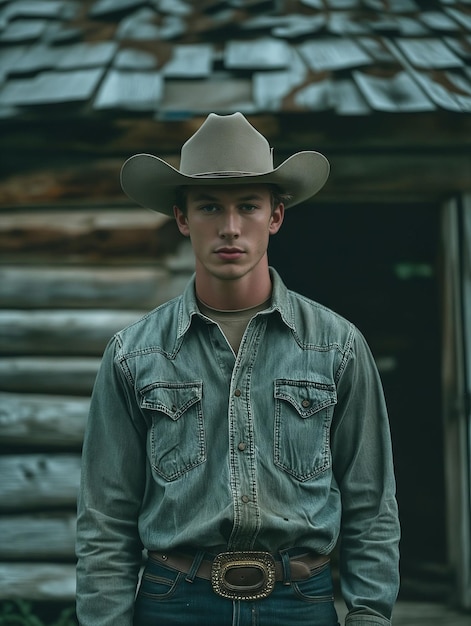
x=280, y=301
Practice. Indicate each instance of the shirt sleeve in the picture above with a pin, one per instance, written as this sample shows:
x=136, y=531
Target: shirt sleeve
x=363, y=469
x=108, y=547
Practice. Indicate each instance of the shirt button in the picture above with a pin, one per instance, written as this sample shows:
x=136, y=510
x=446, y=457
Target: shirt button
x=245, y=499
x=237, y=392
x=242, y=446
x=306, y=403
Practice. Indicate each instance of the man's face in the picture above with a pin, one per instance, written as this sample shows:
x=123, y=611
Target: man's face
x=229, y=227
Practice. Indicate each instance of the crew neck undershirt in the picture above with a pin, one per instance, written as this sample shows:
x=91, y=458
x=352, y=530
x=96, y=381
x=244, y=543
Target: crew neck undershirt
x=232, y=323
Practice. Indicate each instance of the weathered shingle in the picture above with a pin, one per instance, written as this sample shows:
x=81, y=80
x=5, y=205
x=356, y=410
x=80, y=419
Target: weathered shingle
x=299, y=26
x=376, y=49
x=266, y=53
x=103, y=8
x=286, y=26
x=398, y=93
x=350, y=57
x=39, y=8
x=23, y=30
x=347, y=98
x=411, y=26
x=462, y=17
x=175, y=7
x=317, y=96
x=10, y=57
x=428, y=53
x=333, y=54
x=52, y=87
x=462, y=47
x=137, y=91
x=460, y=87
x=36, y=58
x=270, y=88
x=40, y=57
x=344, y=23
x=190, y=60
x=140, y=25
x=86, y=55
x=342, y=4
x=436, y=20
x=130, y=59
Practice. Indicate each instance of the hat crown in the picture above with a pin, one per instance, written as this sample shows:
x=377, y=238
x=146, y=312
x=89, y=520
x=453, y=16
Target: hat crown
x=224, y=145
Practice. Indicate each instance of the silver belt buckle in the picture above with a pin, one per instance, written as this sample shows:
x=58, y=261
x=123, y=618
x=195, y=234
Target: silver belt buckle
x=230, y=568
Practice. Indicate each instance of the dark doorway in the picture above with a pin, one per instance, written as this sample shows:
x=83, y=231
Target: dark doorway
x=377, y=265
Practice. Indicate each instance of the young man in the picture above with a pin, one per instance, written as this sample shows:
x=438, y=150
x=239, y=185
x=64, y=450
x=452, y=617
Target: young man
x=238, y=431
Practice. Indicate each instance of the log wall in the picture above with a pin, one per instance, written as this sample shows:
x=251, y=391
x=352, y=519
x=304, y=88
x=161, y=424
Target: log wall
x=74, y=269
x=70, y=277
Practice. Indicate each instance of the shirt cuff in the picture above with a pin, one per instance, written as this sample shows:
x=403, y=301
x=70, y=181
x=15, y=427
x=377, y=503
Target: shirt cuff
x=366, y=620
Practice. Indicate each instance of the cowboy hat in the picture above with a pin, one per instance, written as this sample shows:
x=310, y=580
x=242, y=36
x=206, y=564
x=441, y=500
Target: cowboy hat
x=225, y=150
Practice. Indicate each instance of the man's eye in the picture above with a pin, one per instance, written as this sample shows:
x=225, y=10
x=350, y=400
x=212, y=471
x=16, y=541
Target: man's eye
x=209, y=208
x=249, y=208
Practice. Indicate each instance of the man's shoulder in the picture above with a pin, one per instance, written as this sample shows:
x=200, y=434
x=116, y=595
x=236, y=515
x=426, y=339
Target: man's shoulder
x=149, y=329
x=318, y=322
x=304, y=303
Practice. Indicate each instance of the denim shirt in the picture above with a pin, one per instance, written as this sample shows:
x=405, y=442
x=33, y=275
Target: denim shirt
x=285, y=444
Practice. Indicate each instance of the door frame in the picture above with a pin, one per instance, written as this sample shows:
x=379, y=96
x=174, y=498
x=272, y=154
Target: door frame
x=456, y=379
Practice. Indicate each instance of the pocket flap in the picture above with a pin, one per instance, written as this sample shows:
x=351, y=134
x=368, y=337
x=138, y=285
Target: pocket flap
x=173, y=399
x=306, y=396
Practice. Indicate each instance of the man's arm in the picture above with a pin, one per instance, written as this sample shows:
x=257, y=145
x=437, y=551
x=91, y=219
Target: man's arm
x=113, y=476
x=363, y=468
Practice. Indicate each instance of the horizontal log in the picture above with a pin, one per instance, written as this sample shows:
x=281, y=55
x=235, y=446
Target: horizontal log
x=46, y=537
x=37, y=581
x=42, y=420
x=68, y=332
x=410, y=173
x=139, y=288
x=88, y=233
x=61, y=375
x=403, y=160
x=38, y=481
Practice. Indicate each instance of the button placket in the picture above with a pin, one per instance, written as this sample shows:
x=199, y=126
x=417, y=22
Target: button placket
x=246, y=514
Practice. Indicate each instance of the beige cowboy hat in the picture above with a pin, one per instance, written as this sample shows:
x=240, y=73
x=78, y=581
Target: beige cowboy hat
x=225, y=150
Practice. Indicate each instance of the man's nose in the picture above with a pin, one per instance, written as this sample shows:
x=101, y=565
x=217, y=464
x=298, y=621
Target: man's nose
x=230, y=224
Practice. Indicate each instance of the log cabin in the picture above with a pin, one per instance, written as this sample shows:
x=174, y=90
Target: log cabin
x=383, y=88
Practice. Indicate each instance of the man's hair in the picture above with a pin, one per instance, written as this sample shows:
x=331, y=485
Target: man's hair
x=277, y=197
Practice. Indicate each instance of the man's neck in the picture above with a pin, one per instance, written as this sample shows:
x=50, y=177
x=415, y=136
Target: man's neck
x=233, y=295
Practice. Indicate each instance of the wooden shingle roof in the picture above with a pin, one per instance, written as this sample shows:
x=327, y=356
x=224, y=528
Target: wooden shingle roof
x=177, y=58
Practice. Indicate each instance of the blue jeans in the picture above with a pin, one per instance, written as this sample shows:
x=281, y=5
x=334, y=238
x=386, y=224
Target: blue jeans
x=165, y=598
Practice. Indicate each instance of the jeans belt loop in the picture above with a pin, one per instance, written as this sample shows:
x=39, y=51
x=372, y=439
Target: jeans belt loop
x=286, y=564
x=190, y=577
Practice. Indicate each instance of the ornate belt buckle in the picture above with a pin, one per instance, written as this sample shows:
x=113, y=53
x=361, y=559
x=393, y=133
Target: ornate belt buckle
x=243, y=575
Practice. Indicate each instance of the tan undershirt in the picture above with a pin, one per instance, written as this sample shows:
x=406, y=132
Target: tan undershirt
x=232, y=323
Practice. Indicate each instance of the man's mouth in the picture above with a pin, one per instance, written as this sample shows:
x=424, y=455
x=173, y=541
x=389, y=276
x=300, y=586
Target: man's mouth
x=228, y=253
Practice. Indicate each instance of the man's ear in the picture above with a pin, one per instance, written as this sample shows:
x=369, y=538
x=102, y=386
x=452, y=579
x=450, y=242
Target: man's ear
x=182, y=221
x=277, y=217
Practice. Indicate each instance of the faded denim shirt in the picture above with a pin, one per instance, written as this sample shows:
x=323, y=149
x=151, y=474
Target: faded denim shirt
x=286, y=444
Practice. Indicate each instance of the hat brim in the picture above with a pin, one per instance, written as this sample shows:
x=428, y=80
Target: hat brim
x=151, y=181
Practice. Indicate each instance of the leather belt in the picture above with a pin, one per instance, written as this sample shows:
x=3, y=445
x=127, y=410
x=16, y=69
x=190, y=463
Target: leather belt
x=243, y=575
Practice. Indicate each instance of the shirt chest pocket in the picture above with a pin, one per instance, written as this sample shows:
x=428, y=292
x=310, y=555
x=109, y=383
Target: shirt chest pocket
x=303, y=415
x=176, y=440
